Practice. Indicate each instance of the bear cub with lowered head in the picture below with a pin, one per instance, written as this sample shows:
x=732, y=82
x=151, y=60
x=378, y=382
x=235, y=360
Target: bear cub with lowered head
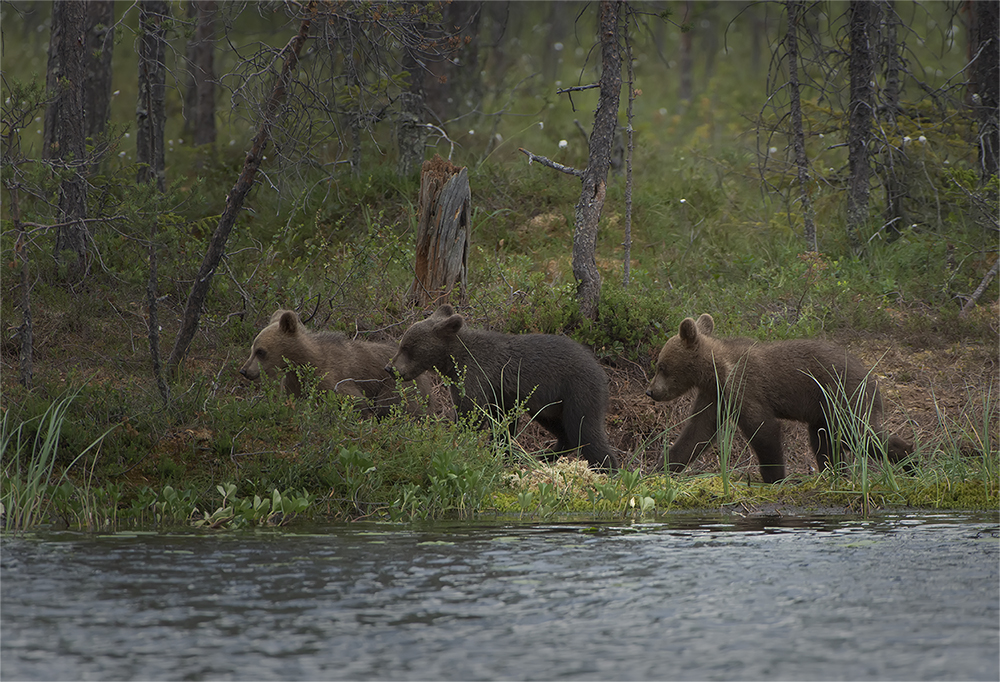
x=564, y=388
x=355, y=368
x=803, y=380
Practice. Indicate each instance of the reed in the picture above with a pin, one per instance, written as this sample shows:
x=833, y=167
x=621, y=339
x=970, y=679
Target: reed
x=29, y=451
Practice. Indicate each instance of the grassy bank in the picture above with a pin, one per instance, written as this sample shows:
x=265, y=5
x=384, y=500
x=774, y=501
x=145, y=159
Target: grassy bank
x=92, y=443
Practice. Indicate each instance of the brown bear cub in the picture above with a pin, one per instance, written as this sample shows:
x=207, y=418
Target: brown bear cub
x=802, y=380
x=355, y=368
x=564, y=388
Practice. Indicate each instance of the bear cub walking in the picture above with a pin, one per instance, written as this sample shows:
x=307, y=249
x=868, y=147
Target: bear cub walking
x=566, y=390
x=802, y=380
x=355, y=368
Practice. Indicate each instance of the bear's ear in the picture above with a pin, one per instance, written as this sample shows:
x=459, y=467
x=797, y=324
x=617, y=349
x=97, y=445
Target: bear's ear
x=689, y=331
x=444, y=311
x=449, y=326
x=289, y=322
x=706, y=325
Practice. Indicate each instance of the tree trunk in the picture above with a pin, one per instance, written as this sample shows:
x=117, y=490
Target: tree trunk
x=151, y=110
x=595, y=178
x=65, y=129
x=686, y=90
x=200, y=100
x=798, y=134
x=987, y=77
x=100, y=48
x=411, y=135
x=893, y=174
x=859, y=117
x=452, y=82
x=444, y=230
x=234, y=201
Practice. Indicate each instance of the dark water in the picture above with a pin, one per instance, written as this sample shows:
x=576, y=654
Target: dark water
x=901, y=597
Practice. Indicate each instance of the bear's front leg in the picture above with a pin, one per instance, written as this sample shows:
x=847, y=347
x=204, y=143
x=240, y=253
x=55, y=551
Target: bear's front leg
x=697, y=435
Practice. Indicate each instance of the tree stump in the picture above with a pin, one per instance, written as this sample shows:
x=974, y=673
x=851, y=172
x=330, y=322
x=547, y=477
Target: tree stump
x=444, y=228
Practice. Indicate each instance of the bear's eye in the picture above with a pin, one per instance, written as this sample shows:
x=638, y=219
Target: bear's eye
x=261, y=353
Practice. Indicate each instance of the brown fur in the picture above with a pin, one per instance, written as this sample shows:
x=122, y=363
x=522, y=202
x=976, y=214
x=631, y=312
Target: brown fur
x=770, y=381
x=564, y=388
x=355, y=368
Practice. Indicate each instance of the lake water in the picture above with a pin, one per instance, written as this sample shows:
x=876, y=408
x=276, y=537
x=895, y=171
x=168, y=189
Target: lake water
x=907, y=597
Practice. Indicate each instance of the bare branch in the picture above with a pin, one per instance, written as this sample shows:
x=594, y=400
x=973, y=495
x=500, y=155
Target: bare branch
x=551, y=164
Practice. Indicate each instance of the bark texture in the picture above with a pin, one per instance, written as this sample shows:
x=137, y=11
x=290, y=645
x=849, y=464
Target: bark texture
x=444, y=230
x=200, y=100
x=862, y=75
x=100, y=48
x=987, y=75
x=65, y=130
x=798, y=134
x=150, y=113
x=595, y=178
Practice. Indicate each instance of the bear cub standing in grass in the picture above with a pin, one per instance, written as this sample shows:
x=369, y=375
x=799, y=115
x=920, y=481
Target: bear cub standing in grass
x=802, y=380
x=355, y=368
x=564, y=388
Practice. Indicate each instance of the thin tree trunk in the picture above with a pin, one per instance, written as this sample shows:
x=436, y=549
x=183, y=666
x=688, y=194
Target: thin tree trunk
x=150, y=122
x=65, y=129
x=862, y=74
x=627, y=244
x=798, y=134
x=234, y=201
x=411, y=135
x=686, y=90
x=151, y=110
x=100, y=49
x=893, y=174
x=595, y=178
x=987, y=76
x=444, y=229
x=202, y=63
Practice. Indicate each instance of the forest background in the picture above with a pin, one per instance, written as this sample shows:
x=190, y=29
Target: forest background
x=737, y=184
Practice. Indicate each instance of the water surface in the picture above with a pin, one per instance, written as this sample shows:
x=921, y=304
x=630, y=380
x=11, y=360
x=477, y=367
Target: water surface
x=899, y=597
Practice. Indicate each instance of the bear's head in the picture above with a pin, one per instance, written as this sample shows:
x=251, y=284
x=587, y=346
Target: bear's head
x=273, y=345
x=681, y=359
x=427, y=344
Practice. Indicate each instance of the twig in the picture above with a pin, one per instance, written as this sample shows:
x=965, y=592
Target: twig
x=551, y=164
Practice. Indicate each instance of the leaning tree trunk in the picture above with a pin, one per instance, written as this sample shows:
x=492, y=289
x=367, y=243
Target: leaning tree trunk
x=234, y=201
x=444, y=229
x=859, y=117
x=150, y=113
x=595, y=178
x=798, y=134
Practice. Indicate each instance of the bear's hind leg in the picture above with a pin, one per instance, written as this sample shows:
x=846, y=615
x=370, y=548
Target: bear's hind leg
x=765, y=439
